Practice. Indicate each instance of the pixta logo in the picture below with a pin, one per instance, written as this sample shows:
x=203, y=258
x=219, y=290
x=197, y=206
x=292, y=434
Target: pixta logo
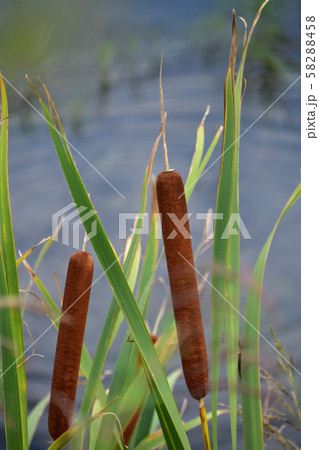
x=72, y=217
x=234, y=225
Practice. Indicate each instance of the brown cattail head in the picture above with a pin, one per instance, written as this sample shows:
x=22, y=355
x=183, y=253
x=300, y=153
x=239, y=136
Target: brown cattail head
x=183, y=283
x=69, y=343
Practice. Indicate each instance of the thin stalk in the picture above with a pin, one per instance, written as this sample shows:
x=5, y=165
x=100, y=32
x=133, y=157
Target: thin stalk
x=85, y=239
x=163, y=117
x=204, y=423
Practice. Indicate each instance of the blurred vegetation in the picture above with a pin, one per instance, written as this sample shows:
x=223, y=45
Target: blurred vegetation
x=276, y=45
x=114, y=43
x=281, y=404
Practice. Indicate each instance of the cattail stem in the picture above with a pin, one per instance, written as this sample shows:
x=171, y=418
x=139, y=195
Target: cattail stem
x=203, y=419
x=85, y=239
x=163, y=117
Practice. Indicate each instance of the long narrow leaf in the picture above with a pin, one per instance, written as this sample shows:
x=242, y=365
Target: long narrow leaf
x=226, y=257
x=250, y=382
x=233, y=268
x=11, y=331
x=198, y=165
x=198, y=153
x=35, y=416
x=114, y=316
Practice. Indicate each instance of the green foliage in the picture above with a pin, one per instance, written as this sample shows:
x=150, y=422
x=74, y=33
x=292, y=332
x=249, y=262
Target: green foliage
x=35, y=416
x=165, y=404
x=250, y=387
x=11, y=331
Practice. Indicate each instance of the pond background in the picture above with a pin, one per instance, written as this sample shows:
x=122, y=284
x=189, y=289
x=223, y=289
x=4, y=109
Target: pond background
x=100, y=61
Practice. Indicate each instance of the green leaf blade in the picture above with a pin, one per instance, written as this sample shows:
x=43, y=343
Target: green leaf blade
x=11, y=330
x=225, y=264
x=250, y=385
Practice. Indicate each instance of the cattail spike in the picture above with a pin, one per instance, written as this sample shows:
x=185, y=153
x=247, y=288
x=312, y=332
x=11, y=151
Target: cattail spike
x=183, y=283
x=69, y=343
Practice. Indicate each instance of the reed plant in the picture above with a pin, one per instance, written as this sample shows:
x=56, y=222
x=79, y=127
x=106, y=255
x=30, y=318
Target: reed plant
x=137, y=410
